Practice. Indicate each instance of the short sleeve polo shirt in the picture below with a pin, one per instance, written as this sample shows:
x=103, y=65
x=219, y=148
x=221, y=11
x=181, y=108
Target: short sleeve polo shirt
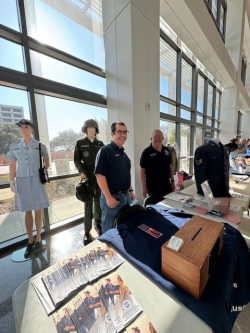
x=157, y=168
x=113, y=163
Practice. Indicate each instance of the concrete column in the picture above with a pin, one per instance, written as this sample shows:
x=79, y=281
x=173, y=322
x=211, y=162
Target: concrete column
x=235, y=31
x=228, y=115
x=131, y=37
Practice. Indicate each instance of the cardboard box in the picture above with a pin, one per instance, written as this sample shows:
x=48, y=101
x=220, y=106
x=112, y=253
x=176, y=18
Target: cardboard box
x=191, y=266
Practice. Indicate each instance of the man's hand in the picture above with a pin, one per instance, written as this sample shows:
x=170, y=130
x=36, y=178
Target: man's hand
x=13, y=186
x=112, y=202
x=145, y=191
x=132, y=195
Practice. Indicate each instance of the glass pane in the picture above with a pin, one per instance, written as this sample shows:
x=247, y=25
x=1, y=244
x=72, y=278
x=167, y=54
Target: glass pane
x=185, y=114
x=14, y=106
x=11, y=55
x=210, y=100
x=217, y=105
x=63, y=128
x=199, y=119
x=8, y=14
x=167, y=108
x=198, y=137
x=209, y=122
x=186, y=83
x=214, y=8
x=200, y=94
x=168, y=60
x=70, y=26
x=169, y=131
x=185, y=148
x=52, y=69
x=63, y=201
x=222, y=13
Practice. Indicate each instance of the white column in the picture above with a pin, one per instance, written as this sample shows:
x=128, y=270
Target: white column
x=131, y=37
x=229, y=113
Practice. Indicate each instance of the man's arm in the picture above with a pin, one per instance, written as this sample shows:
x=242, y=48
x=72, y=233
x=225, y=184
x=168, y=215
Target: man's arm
x=102, y=183
x=143, y=182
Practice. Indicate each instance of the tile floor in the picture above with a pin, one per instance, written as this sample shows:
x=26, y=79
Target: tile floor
x=58, y=246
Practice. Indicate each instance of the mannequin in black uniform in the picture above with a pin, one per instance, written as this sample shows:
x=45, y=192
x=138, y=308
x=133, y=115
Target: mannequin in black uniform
x=211, y=163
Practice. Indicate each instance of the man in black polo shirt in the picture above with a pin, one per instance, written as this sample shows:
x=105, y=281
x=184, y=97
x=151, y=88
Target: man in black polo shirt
x=156, y=171
x=112, y=172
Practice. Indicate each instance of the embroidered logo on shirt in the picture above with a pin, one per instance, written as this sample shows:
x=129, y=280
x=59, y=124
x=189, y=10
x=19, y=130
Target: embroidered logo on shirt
x=85, y=153
x=198, y=162
x=153, y=154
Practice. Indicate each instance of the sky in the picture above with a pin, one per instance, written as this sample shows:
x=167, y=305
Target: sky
x=60, y=31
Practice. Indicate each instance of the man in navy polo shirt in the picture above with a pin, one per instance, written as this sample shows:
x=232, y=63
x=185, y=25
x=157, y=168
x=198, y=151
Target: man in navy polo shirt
x=112, y=172
x=156, y=169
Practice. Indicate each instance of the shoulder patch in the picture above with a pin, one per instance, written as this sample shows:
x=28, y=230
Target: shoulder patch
x=198, y=162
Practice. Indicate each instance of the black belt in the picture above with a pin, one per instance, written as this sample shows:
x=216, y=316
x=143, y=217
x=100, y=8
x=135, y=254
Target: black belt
x=119, y=192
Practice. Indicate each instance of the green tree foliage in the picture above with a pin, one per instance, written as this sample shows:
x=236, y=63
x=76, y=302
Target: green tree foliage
x=65, y=141
x=9, y=133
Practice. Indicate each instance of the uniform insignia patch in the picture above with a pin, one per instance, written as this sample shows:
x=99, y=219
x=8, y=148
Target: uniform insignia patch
x=198, y=162
x=85, y=153
x=166, y=152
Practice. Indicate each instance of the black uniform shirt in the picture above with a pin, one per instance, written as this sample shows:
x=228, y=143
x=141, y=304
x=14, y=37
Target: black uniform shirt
x=211, y=163
x=113, y=163
x=157, y=168
x=85, y=155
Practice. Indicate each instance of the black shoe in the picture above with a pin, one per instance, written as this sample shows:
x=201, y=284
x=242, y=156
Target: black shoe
x=38, y=247
x=29, y=250
x=87, y=239
x=98, y=229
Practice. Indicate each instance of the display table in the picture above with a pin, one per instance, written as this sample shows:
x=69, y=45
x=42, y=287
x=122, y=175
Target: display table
x=244, y=202
x=240, y=184
x=166, y=314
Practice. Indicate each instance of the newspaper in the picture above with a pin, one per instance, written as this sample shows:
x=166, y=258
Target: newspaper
x=63, y=279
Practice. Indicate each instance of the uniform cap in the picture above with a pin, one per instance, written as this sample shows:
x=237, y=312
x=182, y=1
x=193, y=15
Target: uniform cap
x=90, y=123
x=24, y=122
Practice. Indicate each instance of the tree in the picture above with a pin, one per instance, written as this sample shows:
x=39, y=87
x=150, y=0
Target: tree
x=9, y=133
x=65, y=141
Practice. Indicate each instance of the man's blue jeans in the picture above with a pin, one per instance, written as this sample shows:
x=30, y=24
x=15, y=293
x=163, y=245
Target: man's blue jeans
x=109, y=214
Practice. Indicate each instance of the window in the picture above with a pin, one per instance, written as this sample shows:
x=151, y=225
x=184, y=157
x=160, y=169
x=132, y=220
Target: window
x=210, y=101
x=200, y=94
x=67, y=27
x=169, y=131
x=198, y=137
x=51, y=69
x=185, y=147
x=186, y=83
x=199, y=119
x=167, y=108
x=64, y=122
x=185, y=114
x=168, y=59
x=11, y=55
x=218, y=9
x=8, y=14
x=217, y=105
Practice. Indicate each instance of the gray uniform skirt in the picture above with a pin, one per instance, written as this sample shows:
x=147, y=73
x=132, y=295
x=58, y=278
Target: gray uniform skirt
x=31, y=194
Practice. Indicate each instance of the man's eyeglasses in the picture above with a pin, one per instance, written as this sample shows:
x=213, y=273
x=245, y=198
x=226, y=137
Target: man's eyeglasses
x=122, y=132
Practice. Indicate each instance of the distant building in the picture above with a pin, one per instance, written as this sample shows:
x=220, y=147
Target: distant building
x=10, y=113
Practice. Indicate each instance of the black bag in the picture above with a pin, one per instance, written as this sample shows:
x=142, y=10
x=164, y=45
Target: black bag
x=84, y=191
x=43, y=174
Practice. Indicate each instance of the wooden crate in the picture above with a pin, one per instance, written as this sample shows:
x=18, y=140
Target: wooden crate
x=191, y=266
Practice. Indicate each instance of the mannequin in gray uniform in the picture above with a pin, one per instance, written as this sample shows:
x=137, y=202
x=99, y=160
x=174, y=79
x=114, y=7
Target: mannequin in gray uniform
x=84, y=158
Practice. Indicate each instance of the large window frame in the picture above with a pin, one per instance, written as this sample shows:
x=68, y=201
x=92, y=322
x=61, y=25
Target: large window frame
x=221, y=7
x=204, y=118
x=33, y=84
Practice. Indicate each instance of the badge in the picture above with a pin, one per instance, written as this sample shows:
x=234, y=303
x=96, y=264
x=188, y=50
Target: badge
x=85, y=153
x=198, y=162
x=153, y=154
